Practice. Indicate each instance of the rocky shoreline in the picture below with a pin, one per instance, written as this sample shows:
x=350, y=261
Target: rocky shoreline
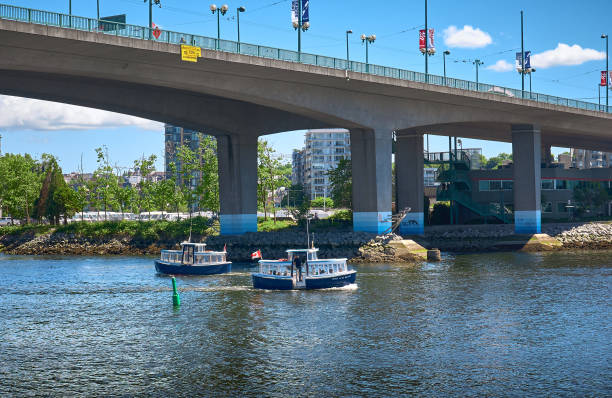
x=356, y=246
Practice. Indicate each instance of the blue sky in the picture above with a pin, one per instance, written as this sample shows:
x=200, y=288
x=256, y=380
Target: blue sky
x=564, y=35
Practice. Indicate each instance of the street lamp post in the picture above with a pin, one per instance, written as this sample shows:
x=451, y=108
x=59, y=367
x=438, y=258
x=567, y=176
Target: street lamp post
x=151, y=2
x=219, y=11
x=477, y=62
x=444, y=54
x=299, y=26
x=522, y=60
x=348, y=62
x=367, y=40
x=599, y=96
x=238, y=11
x=98, y=8
x=604, y=36
x=530, y=72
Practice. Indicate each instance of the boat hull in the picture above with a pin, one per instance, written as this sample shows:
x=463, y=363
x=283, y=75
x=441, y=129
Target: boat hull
x=271, y=283
x=331, y=281
x=174, y=269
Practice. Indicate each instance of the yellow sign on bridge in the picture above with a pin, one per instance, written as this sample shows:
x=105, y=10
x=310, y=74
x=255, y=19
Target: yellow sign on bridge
x=190, y=53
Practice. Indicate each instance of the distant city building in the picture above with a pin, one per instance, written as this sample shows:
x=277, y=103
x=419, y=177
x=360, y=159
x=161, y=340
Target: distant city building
x=565, y=160
x=323, y=150
x=430, y=175
x=297, y=167
x=175, y=137
x=585, y=159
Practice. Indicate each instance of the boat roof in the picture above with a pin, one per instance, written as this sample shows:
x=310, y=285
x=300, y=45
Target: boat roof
x=302, y=250
x=192, y=244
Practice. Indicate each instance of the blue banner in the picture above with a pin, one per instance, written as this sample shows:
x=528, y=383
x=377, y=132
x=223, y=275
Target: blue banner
x=294, y=12
x=305, y=14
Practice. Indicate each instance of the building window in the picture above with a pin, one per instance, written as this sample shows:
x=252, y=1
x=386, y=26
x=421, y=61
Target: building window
x=547, y=207
x=495, y=185
x=548, y=184
x=560, y=184
x=507, y=185
x=483, y=185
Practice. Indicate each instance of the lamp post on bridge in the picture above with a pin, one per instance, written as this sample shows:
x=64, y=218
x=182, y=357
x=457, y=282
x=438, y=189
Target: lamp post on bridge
x=477, y=62
x=348, y=62
x=220, y=11
x=151, y=2
x=604, y=36
x=238, y=11
x=367, y=40
x=530, y=72
x=299, y=24
x=444, y=54
x=98, y=8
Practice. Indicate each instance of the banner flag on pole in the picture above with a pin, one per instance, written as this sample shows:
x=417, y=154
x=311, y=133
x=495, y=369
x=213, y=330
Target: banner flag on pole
x=431, y=40
x=294, y=12
x=604, y=80
x=305, y=13
x=609, y=76
x=422, y=40
x=519, y=67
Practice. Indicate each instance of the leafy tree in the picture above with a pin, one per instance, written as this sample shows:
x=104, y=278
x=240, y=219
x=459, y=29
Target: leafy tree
x=145, y=166
x=208, y=183
x=497, y=160
x=295, y=196
x=269, y=176
x=322, y=202
x=55, y=198
x=341, y=179
x=188, y=176
x=105, y=181
x=590, y=195
x=440, y=214
x=19, y=184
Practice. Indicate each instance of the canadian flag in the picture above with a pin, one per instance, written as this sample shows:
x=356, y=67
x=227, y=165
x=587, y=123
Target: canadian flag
x=225, y=248
x=256, y=254
x=156, y=30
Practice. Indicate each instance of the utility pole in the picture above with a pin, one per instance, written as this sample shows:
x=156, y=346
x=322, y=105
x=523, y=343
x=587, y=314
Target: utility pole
x=426, y=47
x=522, y=59
x=477, y=63
x=607, y=72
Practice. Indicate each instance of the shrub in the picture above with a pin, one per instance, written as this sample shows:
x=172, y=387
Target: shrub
x=318, y=202
x=440, y=214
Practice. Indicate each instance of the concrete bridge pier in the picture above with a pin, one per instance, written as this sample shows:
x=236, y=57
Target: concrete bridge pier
x=526, y=155
x=237, y=156
x=371, y=160
x=409, y=184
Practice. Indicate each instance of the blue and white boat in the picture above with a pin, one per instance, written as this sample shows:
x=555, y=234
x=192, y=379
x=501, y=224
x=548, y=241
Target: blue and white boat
x=313, y=274
x=192, y=259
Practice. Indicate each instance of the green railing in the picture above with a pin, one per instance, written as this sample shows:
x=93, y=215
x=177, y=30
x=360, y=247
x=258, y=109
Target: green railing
x=140, y=32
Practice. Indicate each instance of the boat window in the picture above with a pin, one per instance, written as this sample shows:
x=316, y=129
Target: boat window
x=290, y=256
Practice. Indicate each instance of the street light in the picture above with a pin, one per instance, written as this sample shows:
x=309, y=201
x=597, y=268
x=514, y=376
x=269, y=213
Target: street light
x=238, y=11
x=532, y=70
x=367, y=40
x=604, y=36
x=348, y=62
x=299, y=26
x=444, y=54
x=220, y=11
x=477, y=62
x=151, y=2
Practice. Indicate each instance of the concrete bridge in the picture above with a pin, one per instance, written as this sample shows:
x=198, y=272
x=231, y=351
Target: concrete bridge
x=238, y=97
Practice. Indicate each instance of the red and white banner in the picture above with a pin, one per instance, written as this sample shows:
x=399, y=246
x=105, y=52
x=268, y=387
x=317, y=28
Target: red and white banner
x=256, y=255
x=604, y=81
x=609, y=78
x=422, y=45
x=156, y=30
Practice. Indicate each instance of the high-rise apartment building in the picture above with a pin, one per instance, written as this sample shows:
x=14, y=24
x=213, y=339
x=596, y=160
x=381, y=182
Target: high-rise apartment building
x=323, y=150
x=175, y=137
x=585, y=159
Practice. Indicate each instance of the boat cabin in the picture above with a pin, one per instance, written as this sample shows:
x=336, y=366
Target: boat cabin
x=311, y=265
x=193, y=254
x=304, y=254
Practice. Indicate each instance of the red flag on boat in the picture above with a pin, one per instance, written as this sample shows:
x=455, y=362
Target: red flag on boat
x=256, y=255
x=225, y=248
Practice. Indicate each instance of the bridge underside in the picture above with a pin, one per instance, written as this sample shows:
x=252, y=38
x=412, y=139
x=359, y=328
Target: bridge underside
x=238, y=97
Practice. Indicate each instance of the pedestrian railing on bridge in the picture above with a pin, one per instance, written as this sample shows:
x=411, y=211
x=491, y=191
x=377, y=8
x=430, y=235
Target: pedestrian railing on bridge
x=29, y=15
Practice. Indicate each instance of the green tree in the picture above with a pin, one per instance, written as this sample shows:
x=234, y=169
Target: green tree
x=55, y=198
x=146, y=189
x=590, y=195
x=496, y=161
x=105, y=181
x=269, y=176
x=322, y=202
x=188, y=176
x=295, y=196
x=208, y=183
x=341, y=180
x=19, y=185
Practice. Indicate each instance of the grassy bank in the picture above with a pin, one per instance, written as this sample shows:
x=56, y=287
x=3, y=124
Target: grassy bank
x=137, y=230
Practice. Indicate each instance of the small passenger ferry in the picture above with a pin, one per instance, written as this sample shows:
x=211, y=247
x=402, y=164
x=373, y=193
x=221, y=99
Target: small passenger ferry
x=306, y=273
x=192, y=259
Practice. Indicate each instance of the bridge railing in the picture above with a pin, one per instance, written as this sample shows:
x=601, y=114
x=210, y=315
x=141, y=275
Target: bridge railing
x=140, y=32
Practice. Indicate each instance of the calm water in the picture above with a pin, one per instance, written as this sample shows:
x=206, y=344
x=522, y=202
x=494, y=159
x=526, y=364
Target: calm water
x=510, y=324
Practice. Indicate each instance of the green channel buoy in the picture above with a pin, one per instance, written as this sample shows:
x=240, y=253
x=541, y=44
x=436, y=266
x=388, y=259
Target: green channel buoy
x=176, y=300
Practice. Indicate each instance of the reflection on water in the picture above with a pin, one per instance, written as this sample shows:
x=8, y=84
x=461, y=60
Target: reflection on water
x=495, y=324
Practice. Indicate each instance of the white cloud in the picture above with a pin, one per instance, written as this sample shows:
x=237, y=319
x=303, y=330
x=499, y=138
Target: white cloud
x=501, y=66
x=468, y=37
x=565, y=55
x=18, y=113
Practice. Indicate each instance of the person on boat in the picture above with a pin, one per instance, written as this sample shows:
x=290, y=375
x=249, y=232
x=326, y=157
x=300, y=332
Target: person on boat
x=298, y=266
